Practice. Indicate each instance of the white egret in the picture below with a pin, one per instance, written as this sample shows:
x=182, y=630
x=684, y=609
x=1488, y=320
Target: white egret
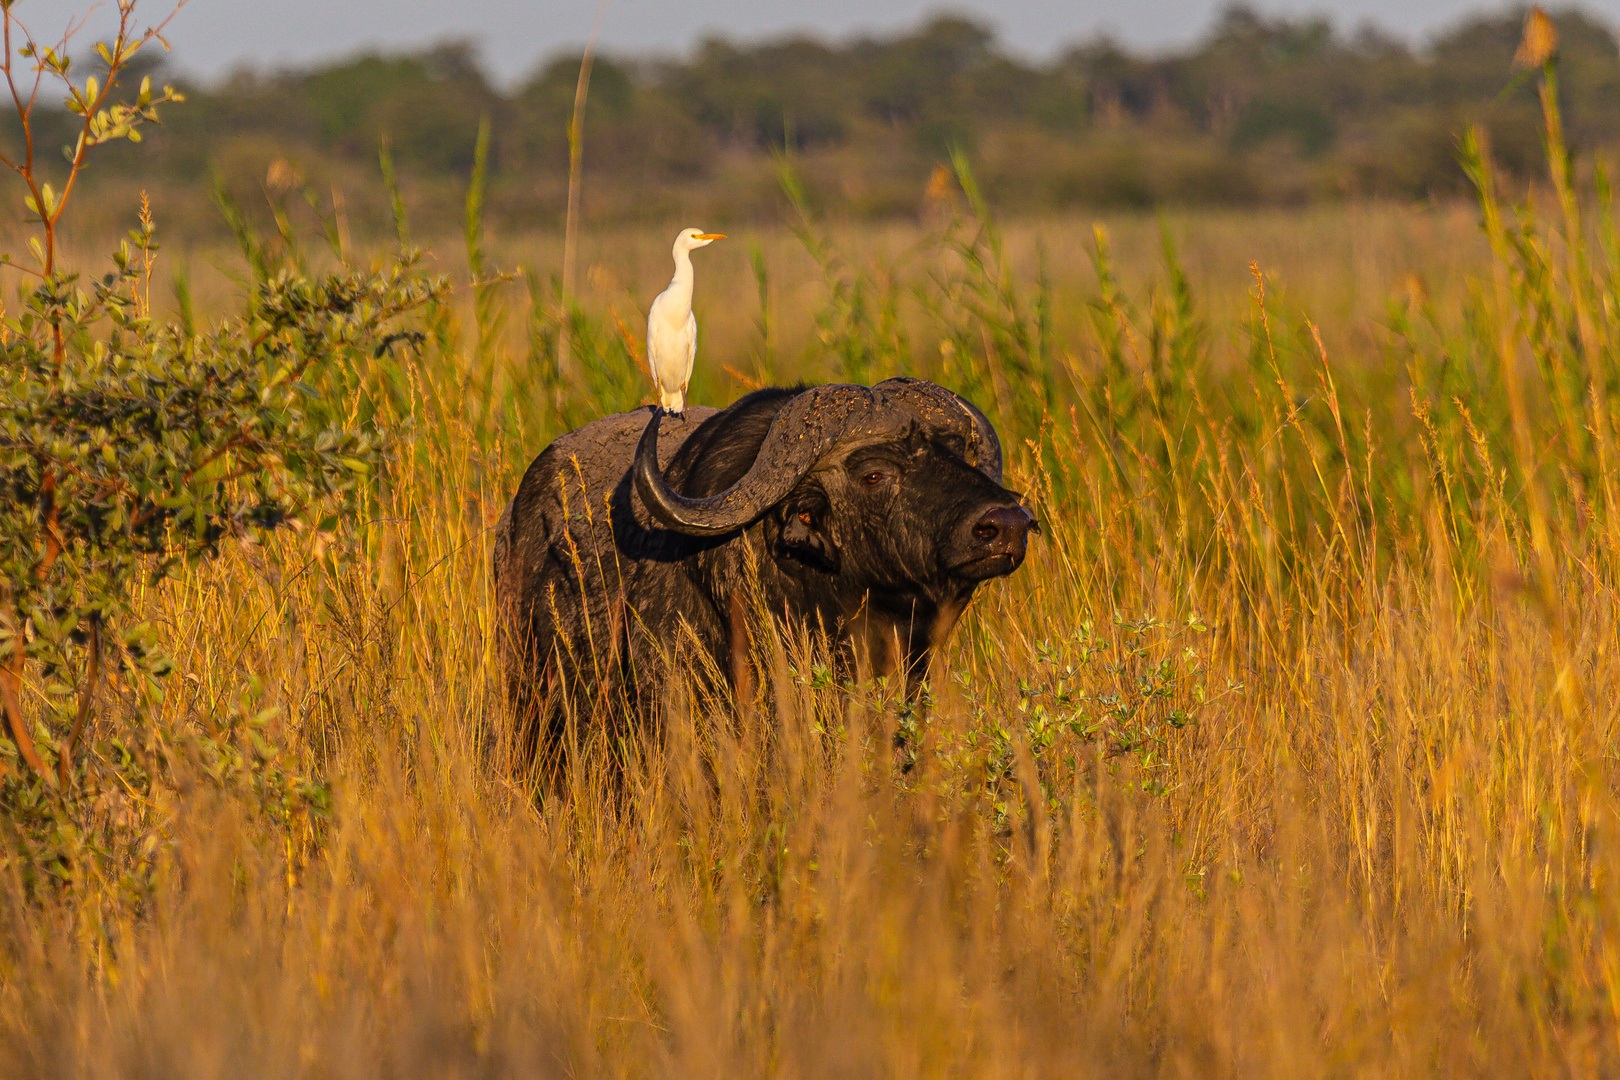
x=672, y=328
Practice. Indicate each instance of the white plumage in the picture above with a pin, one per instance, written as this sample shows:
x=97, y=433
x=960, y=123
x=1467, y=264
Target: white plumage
x=672, y=328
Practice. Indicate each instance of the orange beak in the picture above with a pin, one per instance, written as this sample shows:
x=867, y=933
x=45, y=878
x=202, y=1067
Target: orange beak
x=710, y=236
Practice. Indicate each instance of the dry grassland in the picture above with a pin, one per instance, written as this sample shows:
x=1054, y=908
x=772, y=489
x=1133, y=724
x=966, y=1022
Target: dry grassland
x=1289, y=752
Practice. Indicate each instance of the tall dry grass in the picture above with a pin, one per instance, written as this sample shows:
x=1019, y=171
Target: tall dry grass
x=1290, y=751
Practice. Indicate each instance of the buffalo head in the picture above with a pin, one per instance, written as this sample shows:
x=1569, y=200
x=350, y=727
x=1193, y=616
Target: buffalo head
x=886, y=498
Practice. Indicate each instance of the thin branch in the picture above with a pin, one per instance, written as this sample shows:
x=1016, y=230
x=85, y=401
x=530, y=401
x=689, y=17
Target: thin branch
x=27, y=168
x=120, y=61
x=73, y=29
x=20, y=266
x=64, y=758
x=90, y=110
x=53, y=538
x=10, y=684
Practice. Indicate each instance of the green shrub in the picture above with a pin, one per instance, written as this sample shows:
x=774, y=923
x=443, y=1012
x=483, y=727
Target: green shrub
x=128, y=446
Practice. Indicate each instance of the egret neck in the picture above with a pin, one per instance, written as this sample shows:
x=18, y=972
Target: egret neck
x=679, y=292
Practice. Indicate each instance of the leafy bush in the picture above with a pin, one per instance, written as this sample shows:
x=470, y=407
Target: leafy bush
x=130, y=445
x=1116, y=694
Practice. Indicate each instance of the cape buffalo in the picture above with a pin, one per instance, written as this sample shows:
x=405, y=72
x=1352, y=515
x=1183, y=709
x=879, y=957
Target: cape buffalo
x=870, y=512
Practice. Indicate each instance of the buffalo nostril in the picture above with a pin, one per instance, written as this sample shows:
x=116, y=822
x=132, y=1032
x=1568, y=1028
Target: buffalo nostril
x=1004, y=527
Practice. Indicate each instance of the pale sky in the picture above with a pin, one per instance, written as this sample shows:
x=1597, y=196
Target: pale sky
x=212, y=36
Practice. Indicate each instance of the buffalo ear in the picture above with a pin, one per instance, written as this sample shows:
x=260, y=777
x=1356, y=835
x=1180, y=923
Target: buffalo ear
x=804, y=535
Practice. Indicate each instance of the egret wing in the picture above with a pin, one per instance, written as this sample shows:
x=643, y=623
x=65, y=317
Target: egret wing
x=691, y=349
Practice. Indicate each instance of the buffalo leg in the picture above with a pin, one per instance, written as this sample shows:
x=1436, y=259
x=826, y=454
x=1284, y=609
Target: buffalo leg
x=740, y=652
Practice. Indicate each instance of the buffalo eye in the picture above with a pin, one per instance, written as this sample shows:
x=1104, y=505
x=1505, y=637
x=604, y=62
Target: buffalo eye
x=873, y=478
x=805, y=518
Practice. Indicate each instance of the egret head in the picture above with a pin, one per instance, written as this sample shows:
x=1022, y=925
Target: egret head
x=692, y=239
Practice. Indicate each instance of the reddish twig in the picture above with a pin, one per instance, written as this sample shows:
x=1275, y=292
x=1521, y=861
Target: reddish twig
x=10, y=687
x=87, y=693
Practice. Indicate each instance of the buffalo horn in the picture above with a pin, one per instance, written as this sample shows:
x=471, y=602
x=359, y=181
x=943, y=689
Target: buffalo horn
x=805, y=429
x=939, y=409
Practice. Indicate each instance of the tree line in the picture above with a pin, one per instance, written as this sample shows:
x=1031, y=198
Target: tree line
x=1262, y=110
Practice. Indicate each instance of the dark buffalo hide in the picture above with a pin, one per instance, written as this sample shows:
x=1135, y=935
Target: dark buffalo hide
x=644, y=540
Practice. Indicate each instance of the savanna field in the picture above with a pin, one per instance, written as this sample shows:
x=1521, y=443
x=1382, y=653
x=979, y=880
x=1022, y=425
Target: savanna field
x=1289, y=751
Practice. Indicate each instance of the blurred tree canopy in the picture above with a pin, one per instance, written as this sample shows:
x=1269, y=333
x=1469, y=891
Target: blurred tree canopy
x=1262, y=110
